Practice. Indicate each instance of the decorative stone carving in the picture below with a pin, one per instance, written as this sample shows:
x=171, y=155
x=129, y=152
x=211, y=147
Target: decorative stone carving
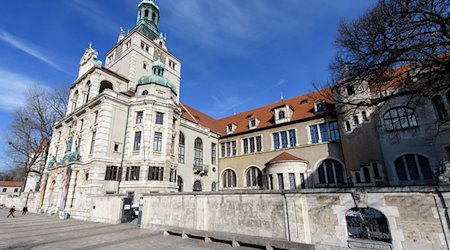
x=443, y=172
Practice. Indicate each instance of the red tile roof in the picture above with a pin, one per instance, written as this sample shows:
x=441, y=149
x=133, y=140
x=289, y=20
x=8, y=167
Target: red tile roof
x=10, y=183
x=284, y=157
x=301, y=106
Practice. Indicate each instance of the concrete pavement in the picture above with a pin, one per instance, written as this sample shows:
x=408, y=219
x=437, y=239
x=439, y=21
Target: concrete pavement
x=44, y=232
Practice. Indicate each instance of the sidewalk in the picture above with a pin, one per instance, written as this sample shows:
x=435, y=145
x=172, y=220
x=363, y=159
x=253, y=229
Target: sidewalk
x=43, y=232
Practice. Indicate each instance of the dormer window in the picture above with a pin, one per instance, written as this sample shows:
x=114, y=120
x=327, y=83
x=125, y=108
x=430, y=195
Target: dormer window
x=230, y=128
x=281, y=115
x=320, y=107
x=253, y=123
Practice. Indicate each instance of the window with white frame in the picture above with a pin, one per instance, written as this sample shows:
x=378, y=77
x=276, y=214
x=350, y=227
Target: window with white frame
x=229, y=178
x=284, y=139
x=399, y=118
x=331, y=172
x=252, y=123
x=157, y=141
x=137, y=140
x=213, y=153
x=252, y=144
x=324, y=132
x=413, y=167
x=253, y=177
x=181, y=148
x=228, y=148
x=198, y=152
x=139, y=116
x=159, y=118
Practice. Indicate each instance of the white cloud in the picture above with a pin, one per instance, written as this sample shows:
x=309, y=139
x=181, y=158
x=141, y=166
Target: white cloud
x=13, y=87
x=28, y=48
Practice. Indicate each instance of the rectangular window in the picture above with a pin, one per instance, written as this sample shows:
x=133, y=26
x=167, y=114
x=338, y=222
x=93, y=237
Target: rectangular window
x=314, y=134
x=139, y=116
x=16, y=190
x=258, y=144
x=355, y=120
x=233, y=147
x=292, y=138
x=137, y=141
x=91, y=150
x=134, y=173
x=4, y=190
x=159, y=118
x=181, y=153
x=155, y=173
x=280, y=182
x=276, y=140
x=245, y=146
x=222, y=149
x=271, y=181
x=302, y=180
x=323, y=127
x=213, y=153
x=111, y=173
x=334, y=131
x=252, y=145
x=284, y=139
x=292, y=183
x=228, y=148
x=157, y=143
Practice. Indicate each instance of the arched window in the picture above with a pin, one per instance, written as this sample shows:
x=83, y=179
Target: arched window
x=439, y=106
x=180, y=184
x=213, y=186
x=253, y=177
x=145, y=92
x=399, y=118
x=105, y=85
x=146, y=13
x=197, y=186
x=331, y=172
x=153, y=16
x=413, y=167
x=75, y=100
x=88, y=91
x=181, y=147
x=198, y=152
x=281, y=115
x=367, y=224
x=229, y=178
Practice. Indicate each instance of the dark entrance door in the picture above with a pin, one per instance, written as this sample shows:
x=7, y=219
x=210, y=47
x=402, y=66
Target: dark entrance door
x=127, y=211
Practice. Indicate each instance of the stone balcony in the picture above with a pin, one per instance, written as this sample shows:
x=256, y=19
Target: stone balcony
x=201, y=169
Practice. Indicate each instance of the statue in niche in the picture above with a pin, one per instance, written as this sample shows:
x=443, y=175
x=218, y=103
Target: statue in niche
x=69, y=144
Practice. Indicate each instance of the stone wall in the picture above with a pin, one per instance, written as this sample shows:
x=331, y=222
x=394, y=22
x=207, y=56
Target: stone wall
x=19, y=201
x=311, y=216
x=106, y=209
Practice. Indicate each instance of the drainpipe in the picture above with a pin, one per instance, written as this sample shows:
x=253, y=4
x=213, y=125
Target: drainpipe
x=286, y=217
x=123, y=149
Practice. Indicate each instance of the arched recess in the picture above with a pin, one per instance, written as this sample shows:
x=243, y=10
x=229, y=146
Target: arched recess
x=253, y=177
x=331, y=171
x=105, y=85
x=197, y=186
x=367, y=224
x=180, y=184
x=229, y=179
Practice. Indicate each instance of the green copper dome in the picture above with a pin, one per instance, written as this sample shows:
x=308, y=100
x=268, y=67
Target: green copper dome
x=157, y=77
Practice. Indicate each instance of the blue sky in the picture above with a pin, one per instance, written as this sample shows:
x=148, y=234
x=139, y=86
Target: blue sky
x=236, y=54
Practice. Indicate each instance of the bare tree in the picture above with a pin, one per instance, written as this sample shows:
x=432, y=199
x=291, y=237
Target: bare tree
x=397, y=48
x=31, y=129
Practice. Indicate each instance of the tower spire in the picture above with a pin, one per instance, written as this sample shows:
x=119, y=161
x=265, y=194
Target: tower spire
x=148, y=17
